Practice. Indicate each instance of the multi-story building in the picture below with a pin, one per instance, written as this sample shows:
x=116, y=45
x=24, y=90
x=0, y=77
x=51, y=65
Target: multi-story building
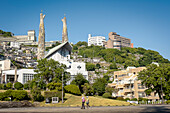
x=29, y=38
x=97, y=40
x=128, y=86
x=116, y=41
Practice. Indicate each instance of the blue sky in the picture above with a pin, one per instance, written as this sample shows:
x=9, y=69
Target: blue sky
x=145, y=22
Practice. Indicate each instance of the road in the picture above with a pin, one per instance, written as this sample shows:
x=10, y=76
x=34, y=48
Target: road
x=114, y=109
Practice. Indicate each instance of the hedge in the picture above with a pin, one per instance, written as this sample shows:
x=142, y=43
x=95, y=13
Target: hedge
x=50, y=94
x=14, y=94
x=73, y=89
x=119, y=98
x=107, y=95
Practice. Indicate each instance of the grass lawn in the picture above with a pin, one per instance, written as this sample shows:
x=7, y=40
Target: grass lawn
x=74, y=101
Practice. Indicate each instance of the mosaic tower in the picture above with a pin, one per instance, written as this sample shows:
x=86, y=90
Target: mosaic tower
x=64, y=33
x=41, y=38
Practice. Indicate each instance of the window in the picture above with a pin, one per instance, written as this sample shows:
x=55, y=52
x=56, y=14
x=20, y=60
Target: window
x=0, y=65
x=79, y=67
x=115, y=76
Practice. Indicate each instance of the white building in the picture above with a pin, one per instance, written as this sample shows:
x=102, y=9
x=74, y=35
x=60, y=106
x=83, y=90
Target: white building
x=29, y=38
x=15, y=45
x=23, y=75
x=97, y=40
x=61, y=53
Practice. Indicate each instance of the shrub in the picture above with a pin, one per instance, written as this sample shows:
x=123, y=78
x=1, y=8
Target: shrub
x=107, y=95
x=168, y=101
x=1, y=86
x=119, y=98
x=36, y=94
x=8, y=93
x=50, y=94
x=2, y=96
x=26, y=86
x=142, y=99
x=9, y=85
x=73, y=89
x=19, y=95
x=6, y=99
x=4, y=86
x=18, y=86
x=126, y=99
x=134, y=99
x=53, y=86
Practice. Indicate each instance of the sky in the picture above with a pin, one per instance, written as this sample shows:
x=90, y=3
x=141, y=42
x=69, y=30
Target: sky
x=145, y=22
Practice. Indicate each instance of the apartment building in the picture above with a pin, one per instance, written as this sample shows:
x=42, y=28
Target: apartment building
x=97, y=40
x=116, y=41
x=128, y=85
x=29, y=38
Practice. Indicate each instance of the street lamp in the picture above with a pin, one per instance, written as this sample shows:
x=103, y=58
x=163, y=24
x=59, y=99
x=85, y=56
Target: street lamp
x=162, y=91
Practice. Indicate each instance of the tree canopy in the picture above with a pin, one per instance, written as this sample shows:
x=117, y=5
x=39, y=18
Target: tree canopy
x=154, y=76
x=51, y=71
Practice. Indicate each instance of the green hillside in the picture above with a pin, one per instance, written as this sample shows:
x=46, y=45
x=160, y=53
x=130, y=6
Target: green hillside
x=5, y=34
x=126, y=56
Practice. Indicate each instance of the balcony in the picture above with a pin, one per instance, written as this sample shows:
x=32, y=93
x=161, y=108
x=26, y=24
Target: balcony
x=128, y=90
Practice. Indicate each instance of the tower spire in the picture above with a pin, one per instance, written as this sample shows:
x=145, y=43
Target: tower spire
x=64, y=33
x=41, y=38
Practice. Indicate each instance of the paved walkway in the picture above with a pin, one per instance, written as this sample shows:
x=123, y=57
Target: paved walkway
x=114, y=109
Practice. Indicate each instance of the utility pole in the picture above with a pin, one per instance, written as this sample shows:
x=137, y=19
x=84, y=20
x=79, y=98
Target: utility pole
x=162, y=92
x=62, y=88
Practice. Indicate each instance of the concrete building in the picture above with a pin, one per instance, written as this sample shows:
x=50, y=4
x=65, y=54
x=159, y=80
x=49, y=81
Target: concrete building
x=116, y=41
x=61, y=53
x=15, y=45
x=128, y=85
x=5, y=64
x=29, y=38
x=96, y=40
x=23, y=75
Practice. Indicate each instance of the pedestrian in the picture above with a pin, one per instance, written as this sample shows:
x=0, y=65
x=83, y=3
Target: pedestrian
x=87, y=102
x=83, y=101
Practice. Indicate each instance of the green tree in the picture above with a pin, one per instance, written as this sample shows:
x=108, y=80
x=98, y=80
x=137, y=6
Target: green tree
x=99, y=86
x=113, y=66
x=50, y=70
x=154, y=76
x=88, y=89
x=98, y=66
x=90, y=67
x=80, y=80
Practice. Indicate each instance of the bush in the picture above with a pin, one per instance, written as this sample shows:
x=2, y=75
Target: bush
x=73, y=89
x=126, y=99
x=26, y=86
x=119, y=98
x=142, y=99
x=19, y=95
x=8, y=93
x=50, y=94
x=1, y=86
x=107, y=95
x=53, y=86
x=134, y=99
x=36, y=94
x=9, y=85
x=4, y=86
x=2, y=96
x=6, y=99
x=168, y=101
x=18, y=86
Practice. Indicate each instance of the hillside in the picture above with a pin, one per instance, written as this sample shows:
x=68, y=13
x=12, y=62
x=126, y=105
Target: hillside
x=126, y=56
x=5, y=34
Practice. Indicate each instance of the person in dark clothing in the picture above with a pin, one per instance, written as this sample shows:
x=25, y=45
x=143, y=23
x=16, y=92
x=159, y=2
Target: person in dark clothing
x=83, y=101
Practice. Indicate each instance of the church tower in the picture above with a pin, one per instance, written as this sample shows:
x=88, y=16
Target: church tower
x=64, y=33
x=41, y=38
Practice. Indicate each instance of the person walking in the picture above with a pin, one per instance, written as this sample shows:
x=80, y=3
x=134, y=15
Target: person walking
x=87, y=102
x=83, y=101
